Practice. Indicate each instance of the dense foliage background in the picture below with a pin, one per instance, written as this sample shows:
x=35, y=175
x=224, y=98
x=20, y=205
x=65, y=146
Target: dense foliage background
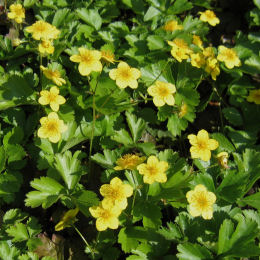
x=41, y=180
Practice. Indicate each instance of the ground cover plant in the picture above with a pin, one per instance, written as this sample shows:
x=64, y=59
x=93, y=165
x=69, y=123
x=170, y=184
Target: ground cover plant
x=129, y=129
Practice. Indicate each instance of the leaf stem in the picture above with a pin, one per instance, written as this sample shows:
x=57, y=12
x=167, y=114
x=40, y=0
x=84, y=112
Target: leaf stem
x=85, y=241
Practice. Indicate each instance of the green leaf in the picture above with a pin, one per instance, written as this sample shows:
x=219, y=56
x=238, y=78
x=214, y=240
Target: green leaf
x=179, y=7
x=60, y=16
x=225, y=232
x=18, y=232
x=233, y=116
x=2, y=158
x=151, y=214
x=172, y=232
x=90, y=16
x=233, y=186
x=253, y=200
x=127, y=243
x=206, y=180
x=69, y=168
x=8, y=252
x=155, y=42
x=29, y=3
x=224, y=143
x=242, y=241
x=85, y=199
x=151, y=13
x=252, y=64
x=48, y=192
x=257, y=3
x=175, y=125
x=136, y=126
x=122, y=137
x=189, y=251
x=107, y=160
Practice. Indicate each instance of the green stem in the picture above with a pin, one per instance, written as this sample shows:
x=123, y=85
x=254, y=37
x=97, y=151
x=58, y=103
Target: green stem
x=133, y=203
x=85, y=241
x=41, y=71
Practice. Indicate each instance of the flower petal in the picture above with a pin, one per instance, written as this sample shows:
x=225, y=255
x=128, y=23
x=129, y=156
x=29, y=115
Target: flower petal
x=212, y=144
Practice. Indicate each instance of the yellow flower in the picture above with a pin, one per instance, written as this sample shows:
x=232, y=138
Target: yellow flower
x=223, y=159
x=254, y=96
x=183, y=110
x=210, y=17
x=153, y=170
x=51, y=127
x=45, y=47
x=52, y=97
x=228, y=56
x=209, y=52
x=180, y=50
x=201, y=202
x=212, y=67
x=162, y=93
x=125, y=76
x=67, y=220
x=106, y=214
x=42, y=30
x=53, y=75
x=197, y=41
x=89, y=60
x=17, y=13
x=128, y=162
x=197, y=60
x=108, y=56
x=202, y=145
x=172, y=25
x=116, y=193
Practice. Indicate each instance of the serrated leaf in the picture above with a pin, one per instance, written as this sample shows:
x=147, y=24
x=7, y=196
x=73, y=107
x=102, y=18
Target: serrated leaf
x=18, y=232
x=107, y=160
x=69, y=168
x=233, y=116
x=225, y=232
x=136, y=126
x=253, y=200
x=206, y=180
x=127, y=243
x=189, y=251
x=179, y=7
x=123, y=137
x=8, y=252
x=85, y=199
x=60, y=16
x=90, y=16
x=224, y=143
x=151, y=13
x=155, y=42
x=172, y=232
x=48, y=192
x=175, y=125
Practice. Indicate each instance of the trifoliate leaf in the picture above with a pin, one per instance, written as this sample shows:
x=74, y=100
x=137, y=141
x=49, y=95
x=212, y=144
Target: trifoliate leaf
x=18, y=232
x=172, y=232
x=69, y=167
x=189, y=251
x=136, y=126
x=90, y=16
x=47, y=192
x=8, y=252
x=123, y=137
x=108, y=159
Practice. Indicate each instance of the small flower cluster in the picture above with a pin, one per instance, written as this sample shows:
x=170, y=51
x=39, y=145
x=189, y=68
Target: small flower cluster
x=46, y=33
x=115, y=201
x=17, y=13
x=52, y=126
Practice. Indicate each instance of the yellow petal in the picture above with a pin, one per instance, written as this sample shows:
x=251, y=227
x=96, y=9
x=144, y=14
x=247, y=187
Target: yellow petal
x=152, y=90
x=152, y=160
x=205, y=155
x=162, y=178
x=211, y=198
x=101, y=225
x=96, y=66
x=193, y=139
x=159, y=102
x=202, y=135
x=208, y=214
x=169, y=100
x=141, y=168
x=128, y=190
x=194, y=211
x=75, y=58
x=121, y=83
x=54, y=90
x=135, y=73
x=113, y=223
x=54, y=106
x=148, y=179
x=212, y=144
x=116, y=182
x=123, y=65
x=133, y=84
x=42, y=132
x=53, y=115
x=84, y=69
x=60, y=100
x=195, y=153
x=113, y=73
x=55, y=138
x=200, y=188
x=43, y=120
x=44, y=100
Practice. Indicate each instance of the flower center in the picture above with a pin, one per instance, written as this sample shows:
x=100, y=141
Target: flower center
x=52, y=127
x=18, y=12
x=152, y=170
x=202, y=201
x=163, y=91
x=125, y=74
x=202, y=145
x=87, y=58
x=40, y=28
x=105, y=214
x=230, y=55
